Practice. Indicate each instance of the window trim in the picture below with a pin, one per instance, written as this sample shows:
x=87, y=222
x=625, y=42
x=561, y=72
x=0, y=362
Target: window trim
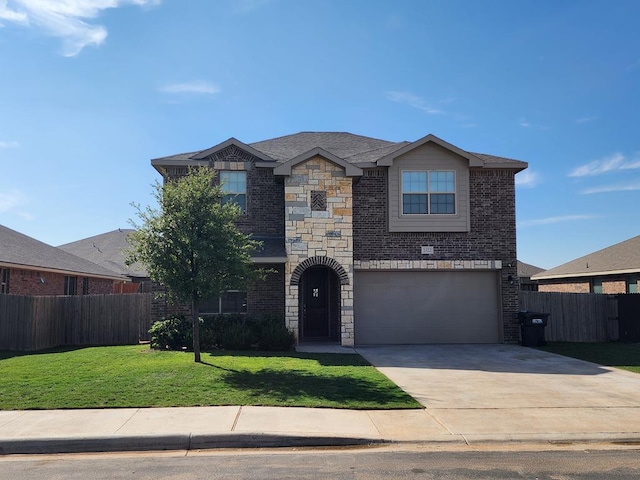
x=70, y=285
x=219, y=302
x=4, y=280
x=428, y=194
x=227, y=196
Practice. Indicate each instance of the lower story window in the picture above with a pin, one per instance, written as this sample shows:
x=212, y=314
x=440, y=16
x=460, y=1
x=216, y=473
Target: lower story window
x=231, y=301
x=85, y=286
x=4, y=280
x=70, y=285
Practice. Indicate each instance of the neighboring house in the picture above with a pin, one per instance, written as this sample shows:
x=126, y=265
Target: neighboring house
x=109, y=251
x=615, y=269
x=525, y=272
x=31, y=267
x=373, y=242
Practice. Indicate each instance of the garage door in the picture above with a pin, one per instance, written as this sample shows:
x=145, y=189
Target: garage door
x=426, y=307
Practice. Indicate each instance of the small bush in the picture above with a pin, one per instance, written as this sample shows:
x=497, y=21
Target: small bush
x=172, y=333
x=226, y=332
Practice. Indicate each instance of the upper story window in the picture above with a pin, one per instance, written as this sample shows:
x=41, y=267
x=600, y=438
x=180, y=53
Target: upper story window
x=234, y=187
x=428, y=192
x=4, y=280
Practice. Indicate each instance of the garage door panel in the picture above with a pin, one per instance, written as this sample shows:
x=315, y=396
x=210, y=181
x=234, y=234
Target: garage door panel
x=425, y=307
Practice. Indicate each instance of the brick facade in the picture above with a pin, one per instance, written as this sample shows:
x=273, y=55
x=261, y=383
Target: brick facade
x=612, y=285
x=32, y=282
x=492, y=236
x=341, y=222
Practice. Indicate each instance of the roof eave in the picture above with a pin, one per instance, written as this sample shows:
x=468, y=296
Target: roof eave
x=600, y=273
x=21, y=266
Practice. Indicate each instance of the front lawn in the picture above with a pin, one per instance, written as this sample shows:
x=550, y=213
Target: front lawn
x=620, y=355
x=135, y=376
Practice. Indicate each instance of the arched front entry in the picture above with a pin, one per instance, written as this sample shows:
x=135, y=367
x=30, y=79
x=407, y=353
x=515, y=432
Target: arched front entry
x=319, y=304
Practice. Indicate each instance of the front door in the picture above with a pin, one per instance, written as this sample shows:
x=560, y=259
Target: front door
x=315, y=303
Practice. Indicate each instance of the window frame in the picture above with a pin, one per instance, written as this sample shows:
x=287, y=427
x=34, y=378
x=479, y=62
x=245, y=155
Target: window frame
x=428, y=193
x=70, y=285
x=4, y=280
x=230, y=195
x=219, y=301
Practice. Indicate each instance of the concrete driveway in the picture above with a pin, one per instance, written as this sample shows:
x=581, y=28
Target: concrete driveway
x=490, y=390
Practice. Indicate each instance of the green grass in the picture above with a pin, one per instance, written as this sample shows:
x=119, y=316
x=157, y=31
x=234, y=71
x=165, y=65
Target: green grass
x=620, y=355
x=135, y=376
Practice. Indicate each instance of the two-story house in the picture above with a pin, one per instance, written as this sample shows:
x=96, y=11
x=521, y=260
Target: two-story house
x=373, y=242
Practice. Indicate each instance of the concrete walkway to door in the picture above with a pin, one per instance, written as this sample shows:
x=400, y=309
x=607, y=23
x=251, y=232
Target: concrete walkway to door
x=509, y=392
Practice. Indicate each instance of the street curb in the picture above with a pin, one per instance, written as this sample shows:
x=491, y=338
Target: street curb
x=172, y=442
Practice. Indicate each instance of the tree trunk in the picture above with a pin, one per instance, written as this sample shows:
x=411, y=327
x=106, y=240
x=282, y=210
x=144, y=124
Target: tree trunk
x=196, y=330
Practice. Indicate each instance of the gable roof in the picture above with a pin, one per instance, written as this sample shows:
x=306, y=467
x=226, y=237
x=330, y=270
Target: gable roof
x=21, y=251
x=107, y=250
x=527, y=270
x=354, y=149
x=623, y=257
x=285, y=168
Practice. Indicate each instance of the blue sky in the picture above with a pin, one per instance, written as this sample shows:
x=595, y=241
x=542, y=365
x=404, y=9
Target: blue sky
x=90, y=91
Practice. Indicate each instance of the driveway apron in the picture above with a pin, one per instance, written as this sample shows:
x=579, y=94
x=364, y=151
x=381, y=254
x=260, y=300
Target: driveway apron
x=509, y=389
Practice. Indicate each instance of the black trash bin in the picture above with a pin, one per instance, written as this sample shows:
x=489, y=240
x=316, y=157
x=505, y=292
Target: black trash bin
x=532, y=326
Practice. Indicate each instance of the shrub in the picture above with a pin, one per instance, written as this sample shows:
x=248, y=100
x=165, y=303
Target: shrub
x=172, y=333
x=226, y=332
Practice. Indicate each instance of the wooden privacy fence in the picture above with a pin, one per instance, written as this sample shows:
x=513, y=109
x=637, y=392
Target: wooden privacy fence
x=36, y=323
x=575, y=317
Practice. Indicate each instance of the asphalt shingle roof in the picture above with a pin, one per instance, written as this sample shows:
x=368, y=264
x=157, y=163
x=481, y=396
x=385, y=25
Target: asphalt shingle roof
x=527, y=270
x=618, y=258
x=107, y=250
x=21, y=250
x=353, y=148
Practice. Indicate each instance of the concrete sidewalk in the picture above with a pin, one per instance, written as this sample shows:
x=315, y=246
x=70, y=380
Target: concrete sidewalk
x=471, y=394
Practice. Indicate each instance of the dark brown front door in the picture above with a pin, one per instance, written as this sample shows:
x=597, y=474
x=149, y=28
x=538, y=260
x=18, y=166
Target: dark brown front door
x=315, y=303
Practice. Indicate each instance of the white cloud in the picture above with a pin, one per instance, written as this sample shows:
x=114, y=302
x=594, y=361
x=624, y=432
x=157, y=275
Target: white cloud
x=10, y=199
x=586, y=119
x=9, y=144
x=614, y=162
x=65, y=19
x=524, y=123
x=552, y=220
x=527, y=178
x=414, y=101
x=198, y=87
x=620, y=187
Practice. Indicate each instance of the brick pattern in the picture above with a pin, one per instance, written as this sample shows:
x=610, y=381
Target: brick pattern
x=611, y=286
x=492, y=235
x=326, y=235
x=267, y=296
x=27, y=282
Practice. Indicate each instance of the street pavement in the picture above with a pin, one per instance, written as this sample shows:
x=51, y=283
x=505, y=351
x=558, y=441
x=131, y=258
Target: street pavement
x=472, y=394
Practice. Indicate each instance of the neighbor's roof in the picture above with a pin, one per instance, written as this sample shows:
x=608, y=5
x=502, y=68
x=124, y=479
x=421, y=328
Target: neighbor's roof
x=623, y=257
x=355, y=149
x=20, y=251
x=527, y=270
x=107, y=250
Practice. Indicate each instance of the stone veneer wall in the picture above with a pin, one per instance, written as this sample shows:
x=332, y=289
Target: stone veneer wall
x=323, y=235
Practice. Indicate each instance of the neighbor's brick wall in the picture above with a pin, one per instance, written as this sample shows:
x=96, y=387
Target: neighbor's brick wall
x=492, y=235
x=27, y=282
x=581, y=285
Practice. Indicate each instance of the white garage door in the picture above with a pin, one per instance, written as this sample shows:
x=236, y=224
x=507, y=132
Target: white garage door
x=410, y=307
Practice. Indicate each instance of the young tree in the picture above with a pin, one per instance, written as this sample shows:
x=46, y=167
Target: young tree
x=191, y=244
